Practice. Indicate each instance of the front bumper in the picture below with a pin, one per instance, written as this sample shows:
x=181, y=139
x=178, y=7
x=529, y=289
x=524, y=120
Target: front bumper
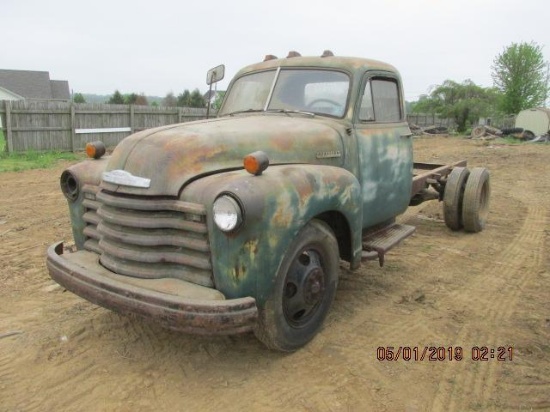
x=173, y=303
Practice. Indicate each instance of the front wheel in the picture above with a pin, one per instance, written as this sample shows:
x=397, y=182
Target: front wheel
x=303, y=292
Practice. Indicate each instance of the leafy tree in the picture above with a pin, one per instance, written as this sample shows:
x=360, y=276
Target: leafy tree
x=170, y=100
x=464, y=102
x=79, y=98
x=184, y=98
x=116, y=98
x=197, y=99
x=141, y=100
x=130, y=98
x=188, y=99
x=521, y=73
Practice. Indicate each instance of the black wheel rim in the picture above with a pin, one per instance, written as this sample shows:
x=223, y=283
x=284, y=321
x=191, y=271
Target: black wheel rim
x=304, y=288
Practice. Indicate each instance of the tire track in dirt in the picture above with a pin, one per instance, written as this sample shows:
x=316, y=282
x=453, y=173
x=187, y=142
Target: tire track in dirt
x=65, y=366
x=396, y=330
x=494, y=297
x=67, y=363
x=7, y=371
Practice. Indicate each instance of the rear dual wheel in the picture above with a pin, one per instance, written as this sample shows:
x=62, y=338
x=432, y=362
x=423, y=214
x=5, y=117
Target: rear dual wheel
x=475, y=205
x=466, y=199
x=452, y=198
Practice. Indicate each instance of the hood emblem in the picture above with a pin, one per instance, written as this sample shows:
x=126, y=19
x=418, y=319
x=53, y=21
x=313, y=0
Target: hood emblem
x=124, y=178
x=328, y=154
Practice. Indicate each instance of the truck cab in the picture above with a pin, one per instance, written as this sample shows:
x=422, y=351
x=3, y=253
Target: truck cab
x=239, y=223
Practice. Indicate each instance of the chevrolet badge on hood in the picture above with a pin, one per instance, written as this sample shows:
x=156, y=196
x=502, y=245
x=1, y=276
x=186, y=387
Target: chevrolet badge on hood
x=124, y=178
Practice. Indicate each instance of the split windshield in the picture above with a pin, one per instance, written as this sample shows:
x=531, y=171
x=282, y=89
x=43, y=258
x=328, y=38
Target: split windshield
x=322, y=92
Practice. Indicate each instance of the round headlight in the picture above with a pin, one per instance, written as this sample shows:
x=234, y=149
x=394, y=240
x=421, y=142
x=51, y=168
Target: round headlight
x=227, y=213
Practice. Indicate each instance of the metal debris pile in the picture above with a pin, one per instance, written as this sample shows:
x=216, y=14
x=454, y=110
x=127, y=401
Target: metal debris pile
x=490, y=133
x=431, y=130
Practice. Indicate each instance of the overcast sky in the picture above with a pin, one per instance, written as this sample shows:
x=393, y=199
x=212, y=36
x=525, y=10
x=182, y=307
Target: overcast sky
x=155, y=47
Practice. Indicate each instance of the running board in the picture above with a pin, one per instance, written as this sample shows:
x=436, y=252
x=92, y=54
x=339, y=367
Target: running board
x=377, y=244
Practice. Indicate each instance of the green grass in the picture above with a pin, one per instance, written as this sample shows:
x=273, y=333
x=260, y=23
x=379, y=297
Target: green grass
x=512, y=140
x=14, y=162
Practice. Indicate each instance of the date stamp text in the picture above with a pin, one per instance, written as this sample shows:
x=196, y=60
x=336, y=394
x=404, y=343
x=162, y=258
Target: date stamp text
x=444, y=353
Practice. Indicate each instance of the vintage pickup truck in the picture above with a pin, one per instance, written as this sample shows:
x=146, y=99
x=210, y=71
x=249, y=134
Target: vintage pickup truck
x=240, y=223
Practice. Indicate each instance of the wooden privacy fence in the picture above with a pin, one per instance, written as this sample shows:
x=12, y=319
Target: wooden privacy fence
x=62, y=126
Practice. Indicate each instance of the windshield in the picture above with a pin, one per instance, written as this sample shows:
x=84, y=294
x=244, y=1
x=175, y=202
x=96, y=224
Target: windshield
x=303, y=90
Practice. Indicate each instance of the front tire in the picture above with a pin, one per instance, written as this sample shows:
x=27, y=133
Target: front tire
x=303, y=292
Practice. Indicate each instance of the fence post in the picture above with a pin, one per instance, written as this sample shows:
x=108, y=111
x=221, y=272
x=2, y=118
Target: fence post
x=131, y=119
x=9, y=136
x=73, y=127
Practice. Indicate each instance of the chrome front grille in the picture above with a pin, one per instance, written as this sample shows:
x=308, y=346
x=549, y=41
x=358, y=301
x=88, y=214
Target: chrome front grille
x=148, y=238
x=91, y=218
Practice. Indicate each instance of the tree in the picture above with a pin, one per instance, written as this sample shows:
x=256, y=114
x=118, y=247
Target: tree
x=188, y=99
x=170, y=100
x=183, y=98
x=141, y=100
x=521, y=74
x=79, y=98
x=116, y=98
x=464, y=102
x=197, y=99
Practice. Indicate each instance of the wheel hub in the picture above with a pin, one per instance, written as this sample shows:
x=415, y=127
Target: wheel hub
x=313, y=286
x=304, y=288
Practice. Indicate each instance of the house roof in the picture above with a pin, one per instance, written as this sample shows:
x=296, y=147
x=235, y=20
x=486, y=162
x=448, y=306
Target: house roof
x=34, y=85
x=60, y=89
x=7, y=92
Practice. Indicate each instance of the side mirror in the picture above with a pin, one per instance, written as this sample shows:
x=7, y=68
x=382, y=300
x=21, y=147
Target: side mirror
x=215, y=75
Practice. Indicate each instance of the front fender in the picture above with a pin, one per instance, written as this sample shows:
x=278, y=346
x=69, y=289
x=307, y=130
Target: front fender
x=277, y=204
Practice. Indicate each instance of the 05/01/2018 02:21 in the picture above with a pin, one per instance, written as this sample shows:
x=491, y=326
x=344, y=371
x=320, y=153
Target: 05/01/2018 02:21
x=443, y=353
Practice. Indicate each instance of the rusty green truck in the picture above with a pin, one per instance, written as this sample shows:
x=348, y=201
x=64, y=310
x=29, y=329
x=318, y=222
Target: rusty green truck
x=240, y=223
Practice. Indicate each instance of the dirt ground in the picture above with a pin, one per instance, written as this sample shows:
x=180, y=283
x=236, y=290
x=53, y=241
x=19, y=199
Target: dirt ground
x=439, y=288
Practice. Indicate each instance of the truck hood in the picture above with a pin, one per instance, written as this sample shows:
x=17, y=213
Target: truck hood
x=172, y=155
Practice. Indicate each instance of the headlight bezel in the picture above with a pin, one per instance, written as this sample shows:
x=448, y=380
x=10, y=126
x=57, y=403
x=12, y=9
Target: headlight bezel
x=70, y=186
x=231, y=205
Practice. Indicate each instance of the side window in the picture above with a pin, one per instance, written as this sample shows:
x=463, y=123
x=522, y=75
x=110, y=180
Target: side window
x=380, y=101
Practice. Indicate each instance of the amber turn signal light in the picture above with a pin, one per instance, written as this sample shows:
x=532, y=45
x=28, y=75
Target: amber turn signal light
x=95, y=149
x=255, y=163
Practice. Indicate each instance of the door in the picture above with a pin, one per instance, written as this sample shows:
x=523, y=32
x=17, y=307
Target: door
x=385, y=149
